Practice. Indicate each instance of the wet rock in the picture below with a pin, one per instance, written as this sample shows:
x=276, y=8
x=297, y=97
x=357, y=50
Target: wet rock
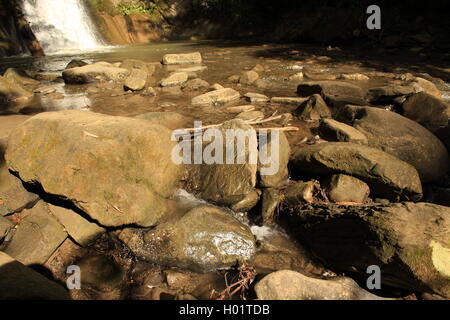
x=271, y=199
x=408, y=241
x=38, y=236
x=11, y=91
x=400, y=137
x=423, y=85
x=273, y=169
x=288, y=100
x=425, y=109
x=248, y=77
x=136, y=80
x=335, y=93
x=221, y=96
x=343, y=188
x=183, y=58
x=81, y=230
x=250, y=115
x=5, y=227
x=75, y=63
x=218, y=181
x=175, y=79
x=296, y=77
x=45, y=90
x=171, y=120
x=19, y=77
x=387, y=94
x=354, y=76
x=248, y=203
x=21, y=283
x=62, y=151
x=204, y=239
x=301, y=192
x=94, y=72
x=386, y=175
x=291, y=285
x=216, y=86
x=191, y=70
x=333, y=130
x=256, y=97
x=195, y=84
x=313, y=109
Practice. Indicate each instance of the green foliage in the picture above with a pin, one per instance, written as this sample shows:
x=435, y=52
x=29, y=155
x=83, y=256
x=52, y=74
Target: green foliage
x=140, y=7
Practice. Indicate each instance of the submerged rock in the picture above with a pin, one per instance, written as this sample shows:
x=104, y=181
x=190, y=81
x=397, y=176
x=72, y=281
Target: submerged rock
x=291, y=285
x=386, y=175
x=117, y=170
x=400, y=137
x=204, y=239
x=408, y=241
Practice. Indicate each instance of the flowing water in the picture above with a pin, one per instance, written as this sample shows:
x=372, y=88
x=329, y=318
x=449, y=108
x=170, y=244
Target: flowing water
x=62, y=25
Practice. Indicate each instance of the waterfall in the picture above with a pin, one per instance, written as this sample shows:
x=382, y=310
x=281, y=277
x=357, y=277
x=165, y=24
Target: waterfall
x=62, y=25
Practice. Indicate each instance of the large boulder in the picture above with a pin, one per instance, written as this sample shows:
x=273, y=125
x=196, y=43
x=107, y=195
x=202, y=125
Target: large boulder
x=388, y=94
x=204, y=239
x=229, y=182
x=38, y=236
x=291, y=285
x=335, y=93
x=118, y=170
x=386, y=175
x=409, y=242
x=17, y=282
x=400, y=137
x=430, y=112
x=94, y=72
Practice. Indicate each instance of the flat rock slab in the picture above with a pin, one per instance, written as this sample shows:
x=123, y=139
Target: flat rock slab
x=291, y=285
x=288, y=100
x=19, y=282
x=175, y=79
x=80, y=229
x=333, y=130
x=386, y=175
x=182, y=58
x=13, y=196
x=220, y=96
x=37, y=237
x=117, y=170
x=256, y=97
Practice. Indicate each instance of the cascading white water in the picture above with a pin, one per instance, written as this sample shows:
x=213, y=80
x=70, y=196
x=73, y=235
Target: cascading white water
x=62, y=25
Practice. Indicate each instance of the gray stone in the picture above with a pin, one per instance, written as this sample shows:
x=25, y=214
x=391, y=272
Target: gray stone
x=343, y=188
x=204, y=239
x=333, y=130
x=386, y=175
x=291, y=285
x=117, y=170
x=400, y=137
